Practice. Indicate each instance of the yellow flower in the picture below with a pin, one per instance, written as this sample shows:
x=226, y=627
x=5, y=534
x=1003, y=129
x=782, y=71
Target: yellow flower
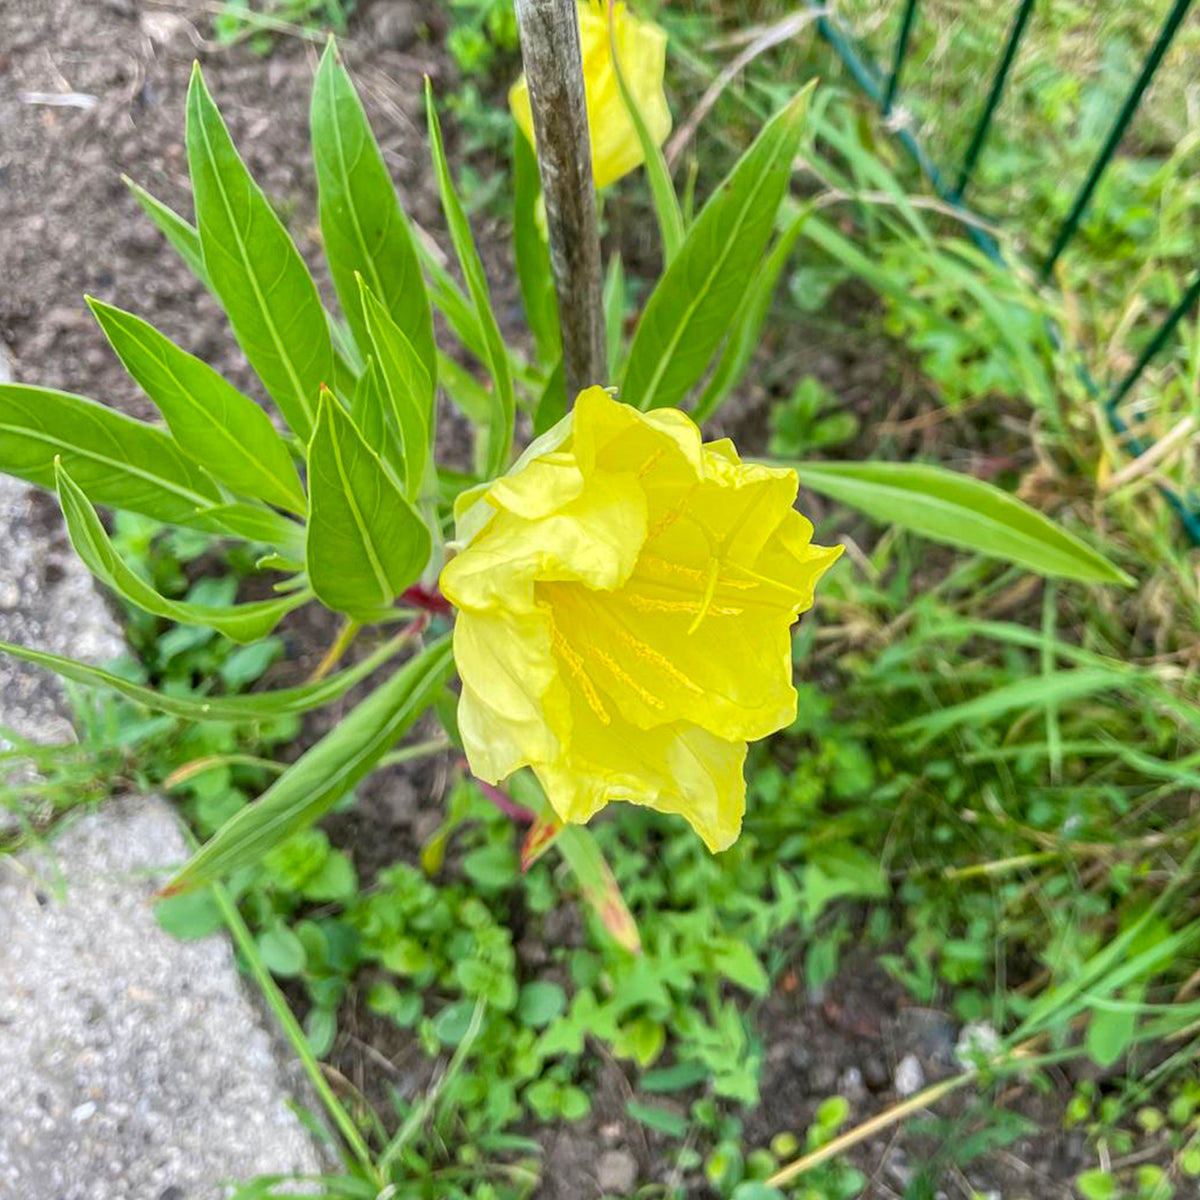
x=642, y=47
x=624, y=597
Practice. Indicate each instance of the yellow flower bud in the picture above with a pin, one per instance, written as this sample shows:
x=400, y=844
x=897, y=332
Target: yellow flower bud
x=642, y=47
x=625, y=596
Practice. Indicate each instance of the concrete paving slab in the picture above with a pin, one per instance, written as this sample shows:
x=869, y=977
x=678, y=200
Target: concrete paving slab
x=132, y=1066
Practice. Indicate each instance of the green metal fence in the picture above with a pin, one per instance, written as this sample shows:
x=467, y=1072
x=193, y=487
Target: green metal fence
x=883, y=88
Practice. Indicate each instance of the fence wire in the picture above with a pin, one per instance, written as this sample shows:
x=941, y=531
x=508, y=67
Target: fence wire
x=883, y=90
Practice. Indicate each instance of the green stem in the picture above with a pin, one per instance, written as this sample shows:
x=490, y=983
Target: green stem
x=334, y=653
x=416, y=750
x=244, y=941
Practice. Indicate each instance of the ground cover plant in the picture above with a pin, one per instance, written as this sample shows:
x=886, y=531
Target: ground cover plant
x=987, y=790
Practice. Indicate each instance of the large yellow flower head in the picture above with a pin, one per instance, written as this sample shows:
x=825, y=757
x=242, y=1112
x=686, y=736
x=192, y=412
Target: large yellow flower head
x=624, y=597
x=642, y=47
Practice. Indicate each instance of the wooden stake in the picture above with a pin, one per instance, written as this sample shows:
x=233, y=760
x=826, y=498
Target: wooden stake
x=554, y=70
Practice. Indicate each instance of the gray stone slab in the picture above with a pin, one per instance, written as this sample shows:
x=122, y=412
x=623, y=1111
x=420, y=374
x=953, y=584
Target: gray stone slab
x=47, y=601
x=132, y=1066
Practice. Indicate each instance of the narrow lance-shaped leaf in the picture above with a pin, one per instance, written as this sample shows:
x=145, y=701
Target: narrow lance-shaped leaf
x=407, y=392
x=211, y=420
x=259, y=706
x=614, y=313
x=531, y=252
x=1030, y=694
x=468, y=395
x=241, y=622
x=115, y=459
x=552, y=403
x=180, y=233
x=744, y=337
x=500, y=430
x=963, y=511
x=325, y=773
x=449, y=299
x=662, y=191
x=185, y=239
x=256, y=272
x=366, y=543
x=368, y=413
x=361, y=221
x=696, y=300
x=254, y=523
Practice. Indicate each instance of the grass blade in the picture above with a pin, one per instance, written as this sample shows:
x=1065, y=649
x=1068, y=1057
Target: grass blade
x=324, y=773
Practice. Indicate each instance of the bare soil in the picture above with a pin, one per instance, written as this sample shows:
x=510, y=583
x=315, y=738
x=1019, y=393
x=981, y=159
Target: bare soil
x=69, y=226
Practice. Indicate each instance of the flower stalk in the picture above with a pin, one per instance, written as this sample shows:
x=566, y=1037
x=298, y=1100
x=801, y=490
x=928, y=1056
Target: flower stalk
x=550, y=48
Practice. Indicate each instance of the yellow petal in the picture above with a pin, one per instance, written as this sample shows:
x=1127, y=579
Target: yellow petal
x=677, y=769
x=642, y=46
x=594, y=539
x=504, y=662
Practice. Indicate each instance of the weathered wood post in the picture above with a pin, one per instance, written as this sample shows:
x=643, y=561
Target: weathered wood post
x=554, y=70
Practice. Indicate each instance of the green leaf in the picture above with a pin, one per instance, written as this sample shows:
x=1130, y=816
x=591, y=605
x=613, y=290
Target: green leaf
x=614, y=313
x=500, y=428
x=841, y=871
x=256, y=272
x=366, y=543
x=407, y=392
x=675, y=1079
x=540, y=1002
x=1096, y=1185
x=368, y=413
x=737, y=962
x=240, y=622
x=247, y=664
x=1034, y=693
x=492, y=867
x=666, y=203
x=552, y=403
x=754, y=1190
x=949, y=507
x=259, y=707
x=1109, y=1033
x=254, y=523
x=661, y=1120
x=531, y=252
x=281, y=950
x=449, y=298
x=180, y=233
x=698, y=296
x=747, y=329
x=212, y=421
x=118, y=461
x=325, y=773
x=196, y=915
x=362, y=225
x=472, y=399
x=453, y=1023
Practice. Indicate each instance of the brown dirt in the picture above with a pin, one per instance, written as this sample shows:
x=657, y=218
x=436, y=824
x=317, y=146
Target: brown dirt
x=69, y=226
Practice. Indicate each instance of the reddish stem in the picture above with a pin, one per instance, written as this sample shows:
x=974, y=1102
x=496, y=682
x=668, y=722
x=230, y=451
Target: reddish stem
x=508, y=806
x=428, y=599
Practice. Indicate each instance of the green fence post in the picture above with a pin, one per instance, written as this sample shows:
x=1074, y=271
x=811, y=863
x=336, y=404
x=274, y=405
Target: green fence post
x=1155, y=344
x=906, y=24
x=1149, y=67
x=993, y=100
